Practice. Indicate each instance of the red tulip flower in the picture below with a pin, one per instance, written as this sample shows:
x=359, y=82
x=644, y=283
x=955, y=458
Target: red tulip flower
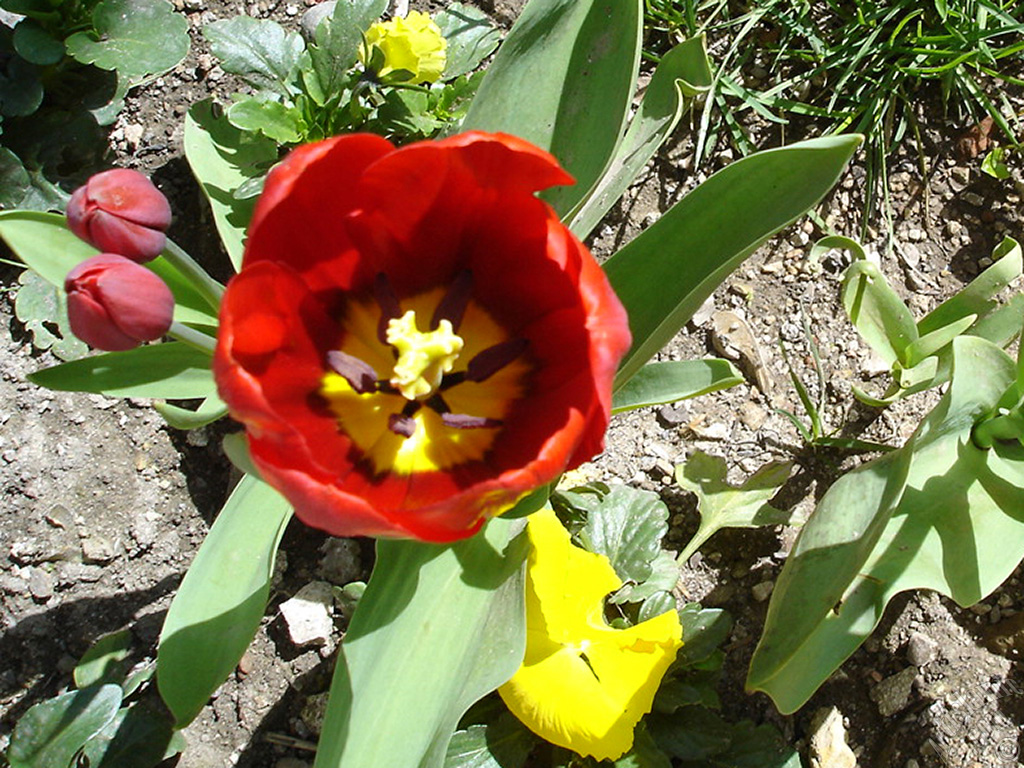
x=115, y=304
x=415, y=341
x=120, y=211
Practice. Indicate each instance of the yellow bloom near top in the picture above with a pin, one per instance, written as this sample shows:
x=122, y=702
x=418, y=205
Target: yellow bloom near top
x=583, y=685
x=414, y=44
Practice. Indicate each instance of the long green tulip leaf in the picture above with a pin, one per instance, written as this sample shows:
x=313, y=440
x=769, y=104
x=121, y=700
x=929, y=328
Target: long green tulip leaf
x=682, y=74
x=563, y=80
x=665, y=274
x=218, y=607
x=437, y=628
x=50, y=734
x=172, y=370
x=658, y=383
x=956, y=527
x=44, y=242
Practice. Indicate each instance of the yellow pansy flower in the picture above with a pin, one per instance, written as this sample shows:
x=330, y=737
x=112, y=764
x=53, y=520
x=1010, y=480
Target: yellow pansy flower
x=414, y=44
x=583, y=685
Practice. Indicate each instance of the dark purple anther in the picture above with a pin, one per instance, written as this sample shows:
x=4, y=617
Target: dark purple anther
x=384, y=294
x=453, y=305
x=360, y=375
x=493, y=359
x=464, y=421
x=401, y=424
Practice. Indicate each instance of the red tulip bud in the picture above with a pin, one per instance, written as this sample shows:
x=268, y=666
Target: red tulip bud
x=120, y=211
x=116, y=304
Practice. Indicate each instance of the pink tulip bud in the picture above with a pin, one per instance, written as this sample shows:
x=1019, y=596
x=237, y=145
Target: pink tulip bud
x=120, y=211
x=116, y=304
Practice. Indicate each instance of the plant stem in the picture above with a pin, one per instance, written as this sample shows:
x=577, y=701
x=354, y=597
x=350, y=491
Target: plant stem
x=192, y=337
x=1007, y=426
x=206, y=286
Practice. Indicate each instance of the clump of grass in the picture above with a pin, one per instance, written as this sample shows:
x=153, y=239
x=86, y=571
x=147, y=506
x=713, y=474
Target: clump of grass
x=852, y=65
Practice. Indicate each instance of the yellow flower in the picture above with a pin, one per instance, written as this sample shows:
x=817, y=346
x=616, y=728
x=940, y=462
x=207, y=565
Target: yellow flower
x=414, y=44
x=583, y=685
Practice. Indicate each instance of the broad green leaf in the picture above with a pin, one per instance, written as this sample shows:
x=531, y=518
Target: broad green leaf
x=878, y=314
x=976, y=298
x=687, y=688
x=337, y=40
x=261, y=52
x=222, y=158
x=44, y=242
x=50, y=734
x=682, y=74
x=563, y=79
x=438, y=624
x=504, y=743
x=752, y=746
x=692, y=733
x=21, y=89
x=994, y=164
x=627, y=526
x=172, y=371
x=44, y=311
x=211, y=409
x=284, y=124
x=660, y=580
x=658, y=383
x=645, y=752
x=930, y=343
x=140, y=736
x=470, y=35
x=725, y=506
x=34, y=44
x=665, y=274
x=137, y=38
x=957, y=528
x=217, y=610
x=704, y=629
x=104, y=662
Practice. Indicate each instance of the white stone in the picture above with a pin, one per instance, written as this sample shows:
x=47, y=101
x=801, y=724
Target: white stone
x=828, y=747
x=308, y=615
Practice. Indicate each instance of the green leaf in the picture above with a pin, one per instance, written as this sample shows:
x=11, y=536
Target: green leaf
x=645, y=752
x=665, y=274
x=21, y=89
x=930, y=343
x=658, y=383
x=879, y=315
x=260, y=51
x=21, y=187
x=140, y=736
x=938, y=514
x=50, y=734
x=437, y=624
x=563, y=79
x=338, y=38
x=211, y=409
x=34, y=44
x=136, y=38
x=692, y=733
x=104, y=662
x=43, y=309
x=627, y=526
x=222, y=158
x=470, y=35
x=284, y=124
x=696, y=687
x=44, y=242
x=994, y=164
x=752, y=747
x=682, y=74
x=171, y=370
x=704, y=629
x=724, y=506
x=504, y=743
x=217, y=610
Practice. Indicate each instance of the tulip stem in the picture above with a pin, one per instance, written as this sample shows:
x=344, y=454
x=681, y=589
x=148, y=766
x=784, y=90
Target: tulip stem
x=192, y=337
x=199, y=278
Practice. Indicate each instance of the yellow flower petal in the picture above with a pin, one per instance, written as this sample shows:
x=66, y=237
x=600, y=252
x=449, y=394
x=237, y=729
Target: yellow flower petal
x=414, y=43
x=583, y=685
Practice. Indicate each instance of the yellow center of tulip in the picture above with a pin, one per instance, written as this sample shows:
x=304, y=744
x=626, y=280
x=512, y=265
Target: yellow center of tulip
x=423, y=358
x=415, y=406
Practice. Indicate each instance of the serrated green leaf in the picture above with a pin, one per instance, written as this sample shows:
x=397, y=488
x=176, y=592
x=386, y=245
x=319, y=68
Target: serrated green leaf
x=692, y=733
x=751, y=747
x=697, y=687
x=50, y=733
x=645, y=752
x=704, y=629
x=136, y=38
x=282, y=123
x=261, y=52
x=724, y=506
x=217, y=610
x=503, y=743
x=43, y=310
x=470, y=35
x=658, y=383
x=338, y=38
x=104, y=662
x=627, y=526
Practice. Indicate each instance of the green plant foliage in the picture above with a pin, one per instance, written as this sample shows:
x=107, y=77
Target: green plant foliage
x=211, y=409
x=217, y=609
x=43, y=310
x=335, y=46
x=563, y=80
x=724, y=506
x=51, y=733
x=172, y=370
x=940, y=513
x=501, y=743
x=135, y=38
x=22, y=188
x=658, y=383
x=455, y=630
x=139, y=736
x=471, y=38
x=920, y=352
x=261, y=52
x=105, y=661
x=709, y=233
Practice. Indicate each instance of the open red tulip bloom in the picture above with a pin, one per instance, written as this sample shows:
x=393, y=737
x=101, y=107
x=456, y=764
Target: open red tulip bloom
x=415, y=341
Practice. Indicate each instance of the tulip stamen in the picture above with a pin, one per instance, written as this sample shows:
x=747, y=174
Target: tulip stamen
x=453, y=306
x=359, y=374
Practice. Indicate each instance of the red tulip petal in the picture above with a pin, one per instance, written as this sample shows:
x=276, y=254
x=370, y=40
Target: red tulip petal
x=130, y=195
